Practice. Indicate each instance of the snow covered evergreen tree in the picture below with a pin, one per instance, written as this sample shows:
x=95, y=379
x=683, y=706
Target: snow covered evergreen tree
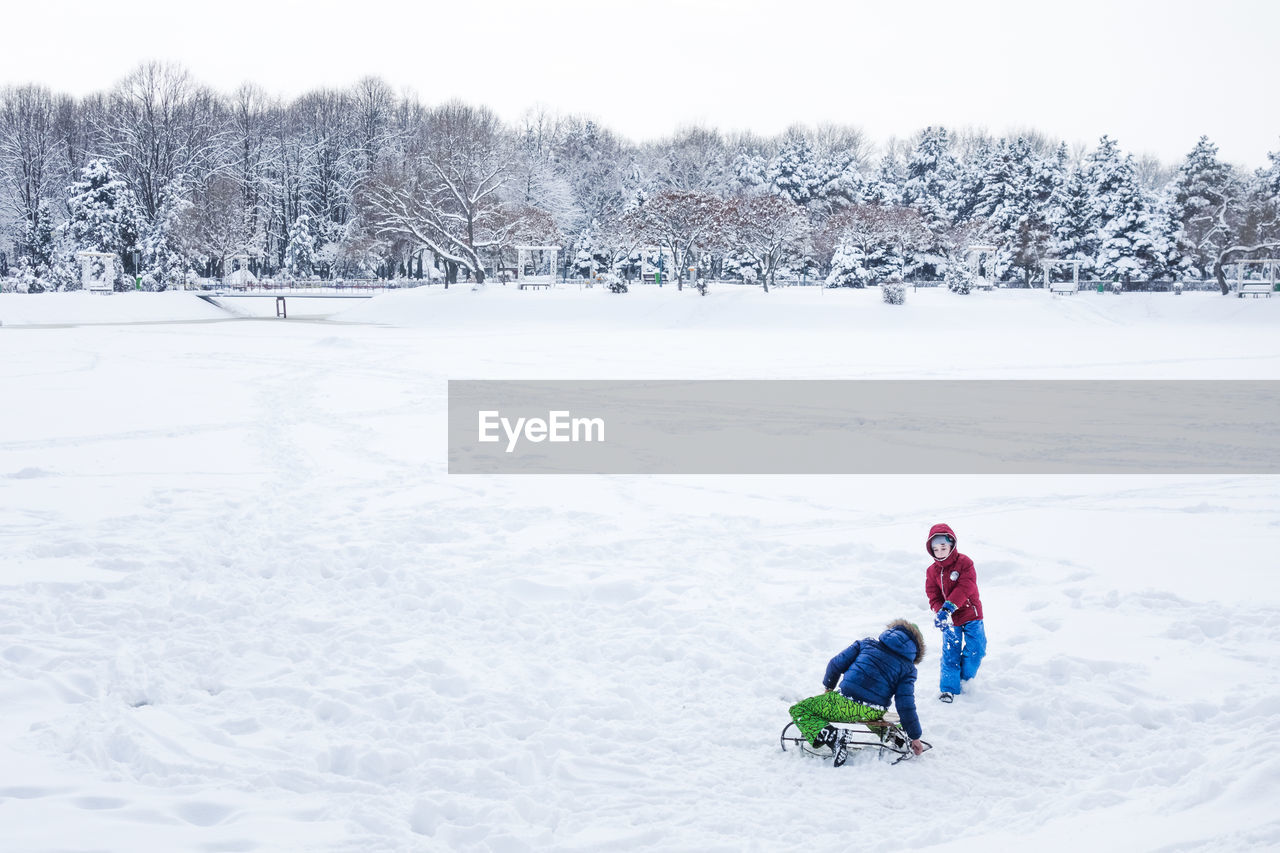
x=1015, y=196
x=750, y=169
x=1202, y=186
x=103, y=214
x=931, y=178
x=885, y=187
x=38, y=243
x=847, y=266
x=1121, y=214
x=840, y=182
x=970, y=182
x=35, y=263
x=876, y=239
x=1071, y=218
x=794, y=174
x=959, y=278
x=1160, y=251
x=999, y=199
x=164, y=263
x=300, y=253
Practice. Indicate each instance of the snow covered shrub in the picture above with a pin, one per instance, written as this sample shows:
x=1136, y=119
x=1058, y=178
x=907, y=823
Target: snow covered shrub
x=611, y=281
x=959, y=278
x=29, y=281
x=1177, y=288
x=893, y=292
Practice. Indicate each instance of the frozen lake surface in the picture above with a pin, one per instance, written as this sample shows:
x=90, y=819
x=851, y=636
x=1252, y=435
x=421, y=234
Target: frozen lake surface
x=243, y=607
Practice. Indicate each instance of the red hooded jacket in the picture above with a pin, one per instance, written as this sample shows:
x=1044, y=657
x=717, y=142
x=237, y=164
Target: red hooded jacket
x=954, y=579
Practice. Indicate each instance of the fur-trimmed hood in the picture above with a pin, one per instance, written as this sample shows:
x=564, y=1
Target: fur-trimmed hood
x=900, y=634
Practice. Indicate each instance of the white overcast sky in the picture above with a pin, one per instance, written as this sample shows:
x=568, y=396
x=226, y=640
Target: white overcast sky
x=1153, y=75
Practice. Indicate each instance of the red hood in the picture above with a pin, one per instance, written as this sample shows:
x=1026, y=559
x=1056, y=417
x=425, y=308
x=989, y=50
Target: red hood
x=955, y=543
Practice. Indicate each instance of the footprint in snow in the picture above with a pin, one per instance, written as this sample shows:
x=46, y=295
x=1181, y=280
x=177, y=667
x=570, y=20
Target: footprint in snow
x=203, y=813
x=98, y=803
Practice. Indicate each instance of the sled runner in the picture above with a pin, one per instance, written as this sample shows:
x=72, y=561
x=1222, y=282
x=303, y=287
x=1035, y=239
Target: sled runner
x=884, y=736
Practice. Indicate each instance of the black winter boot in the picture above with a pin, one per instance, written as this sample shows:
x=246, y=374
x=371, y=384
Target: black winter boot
x=841, y=753
x=827, y=737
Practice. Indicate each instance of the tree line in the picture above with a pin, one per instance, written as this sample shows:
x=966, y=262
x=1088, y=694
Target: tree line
x=177, y=181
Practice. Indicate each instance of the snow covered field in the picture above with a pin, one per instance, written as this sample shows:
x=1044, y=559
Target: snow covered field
x=244, y=608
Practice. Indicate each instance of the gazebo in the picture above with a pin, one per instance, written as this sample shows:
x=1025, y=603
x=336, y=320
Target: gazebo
x=536, y=265
x=973, y=256
x=1062, y=286
x=1262, y=285
x=97, y=271
x=237, y=271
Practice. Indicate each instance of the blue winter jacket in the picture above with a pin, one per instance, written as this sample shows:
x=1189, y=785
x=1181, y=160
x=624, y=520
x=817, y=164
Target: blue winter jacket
x=876, y=671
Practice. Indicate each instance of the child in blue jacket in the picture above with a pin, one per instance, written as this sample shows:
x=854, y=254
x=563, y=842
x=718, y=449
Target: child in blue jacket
x=876, y=671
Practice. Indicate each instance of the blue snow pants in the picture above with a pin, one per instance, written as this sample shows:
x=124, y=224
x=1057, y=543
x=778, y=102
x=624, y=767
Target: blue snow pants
x=963, y=648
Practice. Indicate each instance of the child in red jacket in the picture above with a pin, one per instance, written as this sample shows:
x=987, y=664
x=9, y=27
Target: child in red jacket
x=952, y=586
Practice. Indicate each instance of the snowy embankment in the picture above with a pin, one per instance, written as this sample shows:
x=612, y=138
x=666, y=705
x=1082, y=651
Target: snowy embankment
x=243, y=606
x=81, y=307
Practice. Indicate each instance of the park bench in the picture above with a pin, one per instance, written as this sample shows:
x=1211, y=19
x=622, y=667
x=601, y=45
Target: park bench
x=1254, y=289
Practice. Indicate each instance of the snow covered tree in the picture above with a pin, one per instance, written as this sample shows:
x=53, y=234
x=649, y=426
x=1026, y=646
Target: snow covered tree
x=164, y=262
x=39, y=239
x=31, y=141
x=613, y=242
x=103, y=214
x=1122, y=217
x=1160, y=252
x=794, y=174
x=1071, y=218
x=38, y=251
x=536, y=180
x=765, y=231
x=848, y=268
x=959, y=278
x=1014, y=200
x=886, y=186
x=444, y=192
x=695, y=159
x=878, y=241
x=585, y=263
x=372, y=119
x=956, y=243
x=677, y=221
x=300, y=254
x=931, y=177
x=970, y=184
x=597, y=167
x=840, y=153
x=161, y=130
x=254, y=156
x=1248, y=221
x=750, y=168
x=1201, y=188
x=214, y=225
